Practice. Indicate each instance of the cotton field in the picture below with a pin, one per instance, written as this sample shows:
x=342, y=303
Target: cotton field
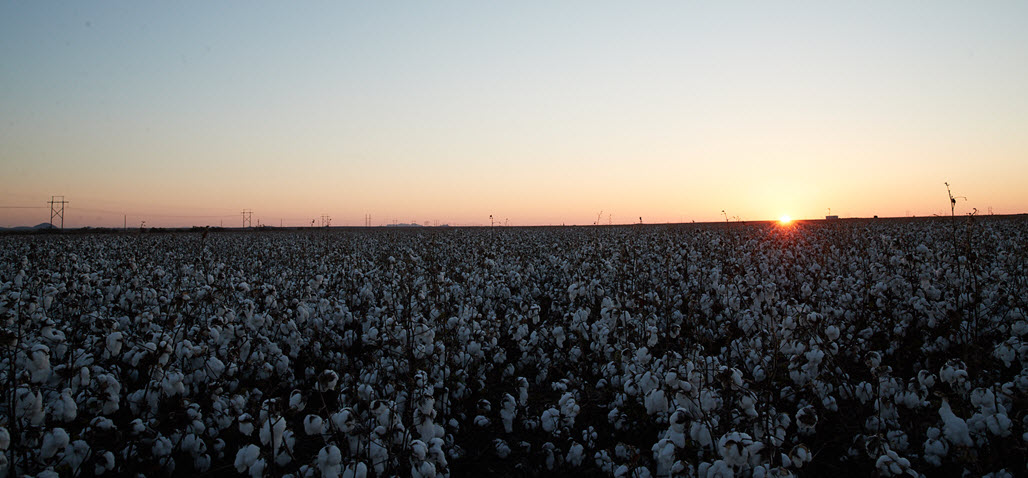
x=850, y=348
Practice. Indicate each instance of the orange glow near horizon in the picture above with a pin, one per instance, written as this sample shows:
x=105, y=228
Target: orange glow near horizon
x=785, y=220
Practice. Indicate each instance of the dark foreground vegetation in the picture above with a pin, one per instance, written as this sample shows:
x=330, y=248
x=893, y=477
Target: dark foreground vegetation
x=853, y=348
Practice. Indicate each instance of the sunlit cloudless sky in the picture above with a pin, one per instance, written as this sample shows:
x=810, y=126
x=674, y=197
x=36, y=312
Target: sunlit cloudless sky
x=533, y=112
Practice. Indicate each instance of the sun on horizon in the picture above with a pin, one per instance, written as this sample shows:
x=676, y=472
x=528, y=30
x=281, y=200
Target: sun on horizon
x=785, y=220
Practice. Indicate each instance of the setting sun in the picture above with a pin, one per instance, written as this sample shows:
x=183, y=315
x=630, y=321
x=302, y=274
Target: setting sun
x=785, y=220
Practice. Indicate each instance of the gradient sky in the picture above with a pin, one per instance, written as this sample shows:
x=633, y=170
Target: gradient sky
x=538, y=112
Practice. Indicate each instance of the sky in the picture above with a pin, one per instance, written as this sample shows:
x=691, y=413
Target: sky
x=534, y=112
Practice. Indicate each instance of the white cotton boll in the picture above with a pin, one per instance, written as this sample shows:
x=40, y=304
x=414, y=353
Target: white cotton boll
x=799, y=455
x=733, y=448
x=296, y=401
x=550, y=419
x=114, y=342
x=327, y=381
x=718, y=469
x=172, y=384
x=214, y=368
x=330, y=461
x=806, y=420
x=656, y=402
x=312, y=425
x=271, y=432
x=161, y=447
x=29, y=406
x=699, y=433
x=508, y=412
x=522, y=391
x=379, y=455
x=5, y=439
x=356, y=470
x=502, y=449
x=202, y=463
x=954, y=428
x=53, y=441
x=832, y=332
x=891, y=464
x=75, y=453
x=246, y=424
x=998, y=424
x=246, y=457
x=104, y=463
x=482, y=421
x=64, y=408
x=424, y=470
x=569, y=408
x=934, y=448
x=664, y=455
x=39, y=364
x=575, y=455
x=257, y=468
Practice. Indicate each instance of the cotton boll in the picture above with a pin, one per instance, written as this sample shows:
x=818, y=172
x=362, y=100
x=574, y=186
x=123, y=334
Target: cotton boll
x=891, y=464
x=355, y=470
x=53, y=441
x=75, y=453
x=162, y=447
x=550, y=419
x=501, y=448
x=5, y=439
x=656, y=402
x=104, y=463
x=799, y=455
x=64, y=408
x=246, y=424
x=39, y=364
x=934, y=447
x=718, y=469
x=330, y=461
x=246, y=457
x=508, y=412
x=312, y=425
x=28, y=405
x=575, y=454
x=806, y=420
x=272, y=431
x=113, y=344
x=954, y=428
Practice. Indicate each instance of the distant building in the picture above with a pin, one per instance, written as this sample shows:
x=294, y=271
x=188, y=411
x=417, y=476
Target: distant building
x=831, y=218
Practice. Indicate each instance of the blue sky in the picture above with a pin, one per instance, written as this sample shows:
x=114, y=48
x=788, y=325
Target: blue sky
x=543, y=112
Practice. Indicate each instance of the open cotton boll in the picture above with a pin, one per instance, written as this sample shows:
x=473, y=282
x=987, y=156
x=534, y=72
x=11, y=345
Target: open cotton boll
x=656, y=402
x=64, y=408
x=313, y=425
x=953, y=428
x=330, y=461
x=246, y=457
x=39, y=363
x=53, y=441
x=271, y=432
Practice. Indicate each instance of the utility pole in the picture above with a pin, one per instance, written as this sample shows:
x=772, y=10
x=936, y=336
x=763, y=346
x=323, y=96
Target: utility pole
x=125, y=225
x=247, y=218
x=57, y=209
x=326, y=220
x=491, y=224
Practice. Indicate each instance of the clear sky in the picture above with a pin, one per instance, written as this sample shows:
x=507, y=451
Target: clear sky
x=535, y=112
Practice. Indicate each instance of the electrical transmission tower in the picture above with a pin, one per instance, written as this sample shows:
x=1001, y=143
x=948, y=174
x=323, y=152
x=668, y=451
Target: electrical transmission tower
x=247, y=217
x=57, y=209
x=326, y=220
